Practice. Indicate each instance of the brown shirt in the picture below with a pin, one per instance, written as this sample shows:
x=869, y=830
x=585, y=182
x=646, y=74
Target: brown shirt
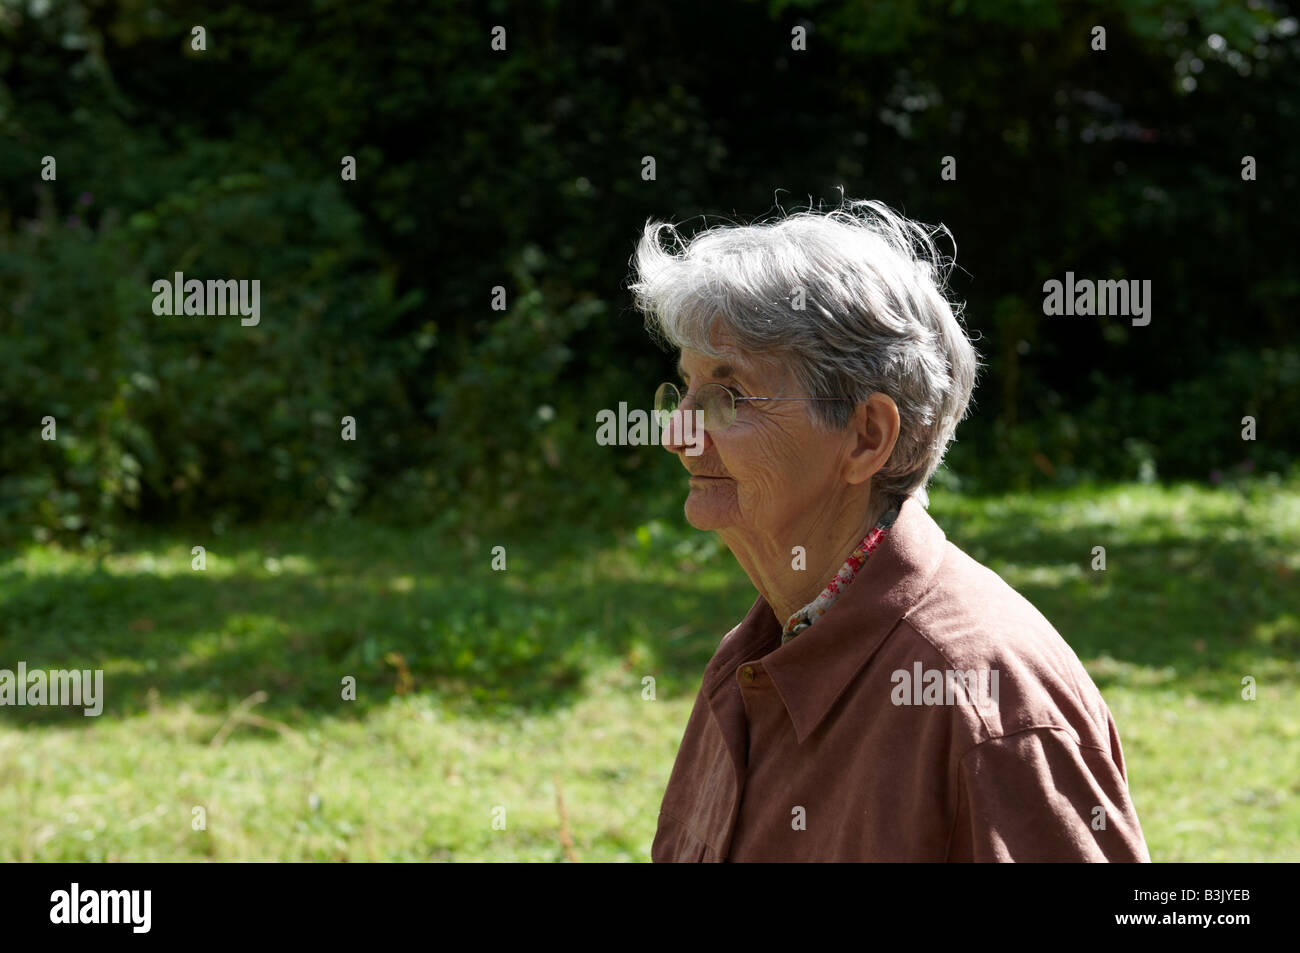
x=854, y=742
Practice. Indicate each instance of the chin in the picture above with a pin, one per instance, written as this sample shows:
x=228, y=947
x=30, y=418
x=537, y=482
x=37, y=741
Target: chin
x=710, y=509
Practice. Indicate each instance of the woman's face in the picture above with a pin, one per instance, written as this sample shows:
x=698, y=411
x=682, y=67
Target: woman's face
x=772, y=469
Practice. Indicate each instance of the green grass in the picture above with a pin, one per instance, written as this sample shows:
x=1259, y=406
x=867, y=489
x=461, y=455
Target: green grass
x=479, y=689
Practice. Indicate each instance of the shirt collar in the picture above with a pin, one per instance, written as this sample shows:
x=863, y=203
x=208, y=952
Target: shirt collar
x=811, y=672
x=814, y=610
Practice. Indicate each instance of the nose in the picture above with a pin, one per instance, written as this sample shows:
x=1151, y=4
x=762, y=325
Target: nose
x=684, y=432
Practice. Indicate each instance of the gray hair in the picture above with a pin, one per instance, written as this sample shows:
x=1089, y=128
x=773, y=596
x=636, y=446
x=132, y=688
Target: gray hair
x=874, y=317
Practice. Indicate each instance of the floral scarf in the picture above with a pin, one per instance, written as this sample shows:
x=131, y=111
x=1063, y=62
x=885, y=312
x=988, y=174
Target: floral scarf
x=817, y=608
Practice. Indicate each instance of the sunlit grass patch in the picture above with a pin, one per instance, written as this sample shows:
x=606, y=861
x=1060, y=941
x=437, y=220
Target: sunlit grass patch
x=567, y=679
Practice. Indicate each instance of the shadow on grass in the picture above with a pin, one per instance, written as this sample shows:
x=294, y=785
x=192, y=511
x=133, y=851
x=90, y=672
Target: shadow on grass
x=1201, y=604
x=375, y=604
x=476, y=641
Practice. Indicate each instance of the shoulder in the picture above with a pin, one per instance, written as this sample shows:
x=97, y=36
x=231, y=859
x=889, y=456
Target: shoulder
x=971, y=622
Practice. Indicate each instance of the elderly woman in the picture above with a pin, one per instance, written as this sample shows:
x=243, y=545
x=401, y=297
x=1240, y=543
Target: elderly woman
x=886, y=697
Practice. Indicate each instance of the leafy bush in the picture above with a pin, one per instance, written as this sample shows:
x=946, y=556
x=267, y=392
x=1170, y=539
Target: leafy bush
x=198, y=415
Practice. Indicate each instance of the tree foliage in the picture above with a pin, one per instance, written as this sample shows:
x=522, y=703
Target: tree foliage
x=522, y=169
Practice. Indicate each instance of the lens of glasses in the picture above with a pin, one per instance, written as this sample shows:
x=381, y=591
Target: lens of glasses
x=666, y=399
x=713, y=400
x=719, y=409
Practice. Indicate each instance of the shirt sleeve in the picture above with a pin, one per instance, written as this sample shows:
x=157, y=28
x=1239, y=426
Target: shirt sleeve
x=1037, y=795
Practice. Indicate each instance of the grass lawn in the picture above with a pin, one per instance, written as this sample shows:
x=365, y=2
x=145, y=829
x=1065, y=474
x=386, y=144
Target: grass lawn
x=480, y=690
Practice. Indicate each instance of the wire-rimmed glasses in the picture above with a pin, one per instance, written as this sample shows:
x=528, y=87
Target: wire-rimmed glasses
x=716, y=401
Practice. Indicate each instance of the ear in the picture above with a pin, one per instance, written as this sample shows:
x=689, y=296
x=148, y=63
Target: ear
x=873, y=431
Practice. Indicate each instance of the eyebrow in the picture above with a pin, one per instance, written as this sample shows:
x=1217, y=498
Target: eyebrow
x=721, y=371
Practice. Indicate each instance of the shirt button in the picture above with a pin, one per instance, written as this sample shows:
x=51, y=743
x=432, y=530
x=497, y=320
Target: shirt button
x=747, y=673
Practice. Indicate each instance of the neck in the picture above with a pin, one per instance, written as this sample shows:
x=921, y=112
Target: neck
x=828, y=537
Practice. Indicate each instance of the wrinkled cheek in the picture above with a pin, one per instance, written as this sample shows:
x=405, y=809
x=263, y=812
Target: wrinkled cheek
x=755, y=498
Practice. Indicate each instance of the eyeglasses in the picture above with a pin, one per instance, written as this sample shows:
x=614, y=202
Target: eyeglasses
x=716, y=401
